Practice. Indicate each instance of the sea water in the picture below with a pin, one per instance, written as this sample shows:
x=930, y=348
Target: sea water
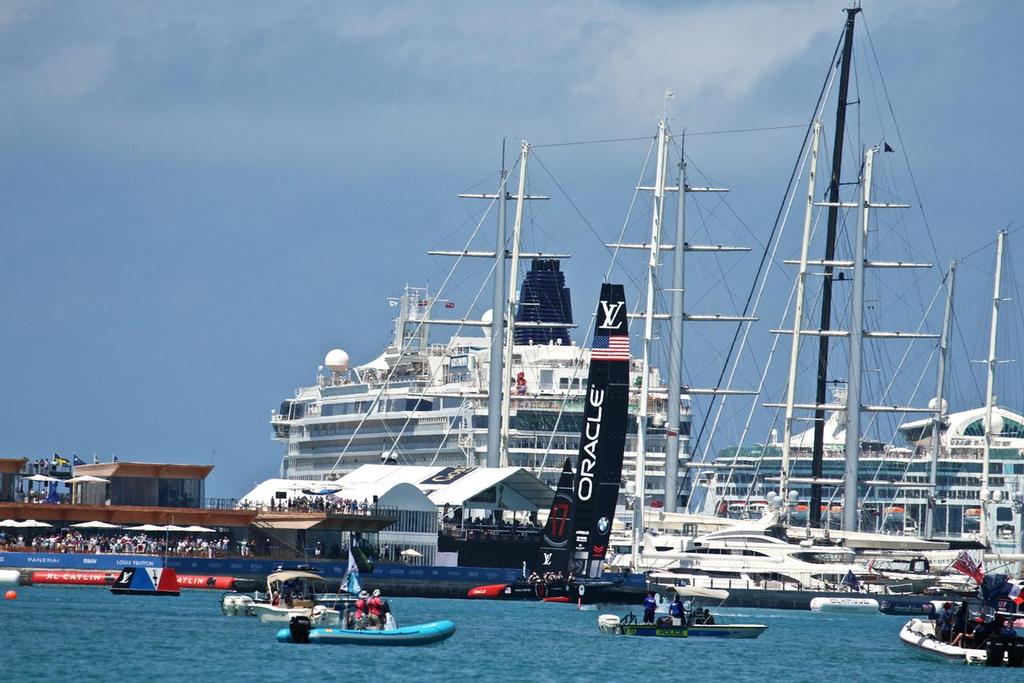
x=82, y=634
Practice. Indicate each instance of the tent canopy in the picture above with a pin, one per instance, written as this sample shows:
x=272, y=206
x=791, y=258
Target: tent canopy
x=87, y=479
x=41, y=477
x=199, y=529
x=694, y=592
x=96, y=525
x=33, y=524
x=410, y=552
x=147, y=527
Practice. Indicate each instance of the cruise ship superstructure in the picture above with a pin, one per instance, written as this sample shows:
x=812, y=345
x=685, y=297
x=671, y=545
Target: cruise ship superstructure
x=429, y=405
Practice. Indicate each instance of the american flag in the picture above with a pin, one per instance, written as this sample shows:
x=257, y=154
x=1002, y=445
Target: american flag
x=615, y=347
x=965, y=564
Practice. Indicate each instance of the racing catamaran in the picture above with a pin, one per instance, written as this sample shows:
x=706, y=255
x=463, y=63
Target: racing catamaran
x=570, y=556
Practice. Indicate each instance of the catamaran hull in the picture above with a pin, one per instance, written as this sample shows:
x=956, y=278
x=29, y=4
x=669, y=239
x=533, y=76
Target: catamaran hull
x=541, y=592
x=419, y=634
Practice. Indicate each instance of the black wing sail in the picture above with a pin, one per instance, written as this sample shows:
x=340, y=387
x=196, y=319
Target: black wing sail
x=553, y=553
x=603, y=439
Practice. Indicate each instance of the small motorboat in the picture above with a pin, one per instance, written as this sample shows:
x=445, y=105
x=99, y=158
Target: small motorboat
x=237, y=605
x=292, y=593
x=919, y=635
x=697, y=624
x=300, y=630
x=848, y=605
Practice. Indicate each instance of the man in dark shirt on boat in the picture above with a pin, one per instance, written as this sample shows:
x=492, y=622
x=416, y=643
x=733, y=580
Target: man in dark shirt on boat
x=946, y=617
x=677, y=612
x=650, y=604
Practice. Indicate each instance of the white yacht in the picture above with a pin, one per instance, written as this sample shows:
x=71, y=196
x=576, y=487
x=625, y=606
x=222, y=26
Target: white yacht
x=757, y=555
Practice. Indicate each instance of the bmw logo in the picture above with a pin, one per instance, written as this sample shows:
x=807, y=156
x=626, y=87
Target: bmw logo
x=602, y=525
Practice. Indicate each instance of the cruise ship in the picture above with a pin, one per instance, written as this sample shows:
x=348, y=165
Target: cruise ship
x=423, y=402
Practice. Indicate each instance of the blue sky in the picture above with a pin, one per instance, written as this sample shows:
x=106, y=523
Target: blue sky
x=199, y=200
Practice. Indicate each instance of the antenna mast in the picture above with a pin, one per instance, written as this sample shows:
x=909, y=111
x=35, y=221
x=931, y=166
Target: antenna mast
x=830, y=251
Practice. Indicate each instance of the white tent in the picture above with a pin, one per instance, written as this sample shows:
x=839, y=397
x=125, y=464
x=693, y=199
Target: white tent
x=32, y=524
x=87, y=479
x=174, y=527
x=147, y=527
x=96, y=525
x=410, y=552
x=9, y=523
x=199, y=529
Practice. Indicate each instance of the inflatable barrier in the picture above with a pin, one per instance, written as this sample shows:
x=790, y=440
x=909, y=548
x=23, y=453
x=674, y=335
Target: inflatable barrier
x=74, y=578
x=106, y=578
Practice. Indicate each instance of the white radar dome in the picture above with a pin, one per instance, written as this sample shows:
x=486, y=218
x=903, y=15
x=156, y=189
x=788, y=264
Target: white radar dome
x=336, y=360
x=995, y=426
x=932, y=404
x=488, y=317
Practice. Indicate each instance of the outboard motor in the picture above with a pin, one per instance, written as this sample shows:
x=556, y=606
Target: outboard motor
x=299, y=628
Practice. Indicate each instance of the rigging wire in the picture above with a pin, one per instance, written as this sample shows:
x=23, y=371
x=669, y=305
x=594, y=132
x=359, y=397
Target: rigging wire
x=786, y=201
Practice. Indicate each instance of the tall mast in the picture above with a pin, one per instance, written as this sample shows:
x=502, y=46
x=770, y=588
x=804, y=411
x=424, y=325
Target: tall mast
x=675, y=359
x=657, y=215
x=798, y=315
x=497, y=365
x=830, y=251
x=510, y=310
x=989, y=387
x=853, y=390
x=940, y=382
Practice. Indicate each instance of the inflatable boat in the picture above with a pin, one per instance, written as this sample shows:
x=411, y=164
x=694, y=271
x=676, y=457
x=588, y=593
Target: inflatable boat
x=299, y=631
x=919, y=635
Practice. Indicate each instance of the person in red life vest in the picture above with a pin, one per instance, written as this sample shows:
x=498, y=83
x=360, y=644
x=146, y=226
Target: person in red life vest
x=362, y=609
x=376, y=608
x=521, y=383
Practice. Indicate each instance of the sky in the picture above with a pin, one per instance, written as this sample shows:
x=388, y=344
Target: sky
x=199, y=200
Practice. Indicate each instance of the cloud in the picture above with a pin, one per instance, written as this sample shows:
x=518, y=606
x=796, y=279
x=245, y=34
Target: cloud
x=308, y=81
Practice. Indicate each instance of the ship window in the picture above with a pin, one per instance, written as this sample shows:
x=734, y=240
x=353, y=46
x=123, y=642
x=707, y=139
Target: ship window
x=563, y=382
x=418, y=404
x=1004, y=514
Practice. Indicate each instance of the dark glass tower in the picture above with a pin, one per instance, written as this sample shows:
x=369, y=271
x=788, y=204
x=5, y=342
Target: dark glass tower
x=544, y=298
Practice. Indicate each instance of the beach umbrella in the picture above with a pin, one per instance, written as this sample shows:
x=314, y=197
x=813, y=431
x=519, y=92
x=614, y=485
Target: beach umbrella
x=146, y=527
x=87, y=479
x=410, y=552
x=96, y=525
x=32, y=524
x=199, y=529
x=42, y=477
x=174, y=527
x=9, y=523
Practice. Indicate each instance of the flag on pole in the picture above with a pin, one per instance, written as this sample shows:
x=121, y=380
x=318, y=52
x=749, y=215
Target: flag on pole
x=351, y=580
x=77, y=461
x=1016, y=594
x=851, y=581
x=965, y=564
